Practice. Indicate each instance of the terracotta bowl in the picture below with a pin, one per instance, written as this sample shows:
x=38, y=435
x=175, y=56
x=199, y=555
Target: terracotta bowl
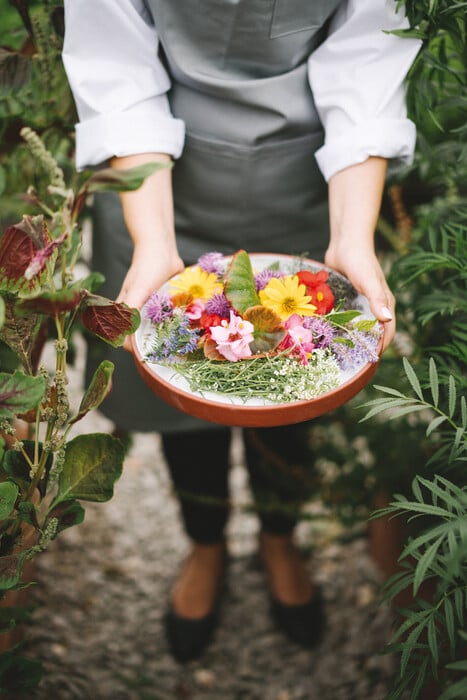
x=227, y=410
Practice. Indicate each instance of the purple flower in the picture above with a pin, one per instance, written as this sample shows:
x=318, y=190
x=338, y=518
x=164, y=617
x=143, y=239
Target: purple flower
x=159, y=307
x=218, y=305
x=322, y=331
x=212, y=262
x=262, y=278
x=363, y=350
x=174, y=337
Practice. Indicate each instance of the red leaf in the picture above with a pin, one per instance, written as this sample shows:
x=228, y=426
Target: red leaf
x=16, y=252
x=109, y=320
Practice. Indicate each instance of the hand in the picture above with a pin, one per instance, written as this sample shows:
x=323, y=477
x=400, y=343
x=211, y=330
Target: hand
x=364, y=272
x=354, y=202
x=149, y=269
x=148, y=214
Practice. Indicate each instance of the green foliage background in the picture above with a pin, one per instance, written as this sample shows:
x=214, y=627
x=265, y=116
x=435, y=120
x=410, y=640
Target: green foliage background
x=418, y=443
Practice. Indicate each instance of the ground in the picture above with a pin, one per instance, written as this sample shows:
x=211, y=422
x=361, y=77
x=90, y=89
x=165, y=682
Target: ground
x=102, y=590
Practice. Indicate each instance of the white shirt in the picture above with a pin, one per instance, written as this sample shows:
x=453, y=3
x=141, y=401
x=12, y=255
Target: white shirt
x=119, y=84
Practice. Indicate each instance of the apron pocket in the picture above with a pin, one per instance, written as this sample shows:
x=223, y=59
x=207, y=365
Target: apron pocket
x=291, y=16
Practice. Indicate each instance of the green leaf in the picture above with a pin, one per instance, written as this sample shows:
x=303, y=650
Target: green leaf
x=424, y=563
x=8, y=496
x=15, y=71
x=19, y=675
x=432, y=640
x=28, y=513
x=239, y=286
x=412, y=377
x=365, y=326
x=19, y=393
x=434, y=382
x=50, y=303
x=434, y=424
x=112, y=180
x=68, y=514
x=2, y=312
x=389, y=390
x=452, y=395
x=458, y=602
x=416, y=490
x=449, y=617
x=10, y=570
x=98, y=389
x=341, y=318
x=92, y=464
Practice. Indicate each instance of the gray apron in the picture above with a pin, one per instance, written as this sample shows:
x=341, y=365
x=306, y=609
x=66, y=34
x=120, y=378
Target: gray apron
x=247, y=177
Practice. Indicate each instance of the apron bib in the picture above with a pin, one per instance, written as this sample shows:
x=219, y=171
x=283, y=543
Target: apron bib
x=247, y=177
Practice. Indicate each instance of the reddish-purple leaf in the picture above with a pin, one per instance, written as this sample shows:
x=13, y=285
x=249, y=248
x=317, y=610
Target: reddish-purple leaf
x=19, y=393
x=52, y=303
x=16, y=252
x=108, y=319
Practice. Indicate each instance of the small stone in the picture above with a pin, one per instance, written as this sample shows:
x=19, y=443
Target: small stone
x=205, y=678
x=58, y=650
x=284, y=695
x=365, y=595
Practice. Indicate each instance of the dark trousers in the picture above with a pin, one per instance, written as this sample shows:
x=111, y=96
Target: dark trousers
x=280, y=470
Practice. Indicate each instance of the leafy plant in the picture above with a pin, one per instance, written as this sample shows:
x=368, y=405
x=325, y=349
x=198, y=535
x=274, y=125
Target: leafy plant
x=44, y=478
x=430, y=279
x=34, y=92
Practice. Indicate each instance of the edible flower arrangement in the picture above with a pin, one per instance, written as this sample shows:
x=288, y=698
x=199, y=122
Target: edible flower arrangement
x=285, y=332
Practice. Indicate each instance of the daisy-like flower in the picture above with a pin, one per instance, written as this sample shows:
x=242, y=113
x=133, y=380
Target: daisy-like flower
x=197, y=283
x=286, y=296
x=212, y=262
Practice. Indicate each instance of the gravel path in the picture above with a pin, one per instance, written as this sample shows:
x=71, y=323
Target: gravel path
x=102, y=590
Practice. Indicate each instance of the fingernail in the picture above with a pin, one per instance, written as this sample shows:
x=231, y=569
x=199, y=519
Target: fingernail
x=386, y=313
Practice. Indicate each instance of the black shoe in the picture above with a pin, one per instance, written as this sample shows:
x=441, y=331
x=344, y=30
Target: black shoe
x=188, y=637
x=303, y=624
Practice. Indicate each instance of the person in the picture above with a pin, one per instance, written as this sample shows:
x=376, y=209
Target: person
x=281, y=118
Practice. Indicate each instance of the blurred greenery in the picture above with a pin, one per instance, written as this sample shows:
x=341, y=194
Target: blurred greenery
x=33, y=92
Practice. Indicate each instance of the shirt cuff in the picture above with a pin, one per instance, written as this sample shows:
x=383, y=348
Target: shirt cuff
x=386, y=138
x=127, y=133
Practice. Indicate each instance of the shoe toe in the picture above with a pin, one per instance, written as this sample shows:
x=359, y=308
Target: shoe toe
x=303, y=624
x=187, y=637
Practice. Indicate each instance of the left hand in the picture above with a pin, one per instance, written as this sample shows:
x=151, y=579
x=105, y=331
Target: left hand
x=354, y=202
x=364, y=271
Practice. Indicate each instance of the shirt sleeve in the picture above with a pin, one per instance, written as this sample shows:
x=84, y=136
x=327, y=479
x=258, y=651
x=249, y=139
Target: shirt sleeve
x=110, y=55
x=357, y=78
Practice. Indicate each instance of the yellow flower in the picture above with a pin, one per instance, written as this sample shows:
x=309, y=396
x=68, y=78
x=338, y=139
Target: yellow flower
x=286, y=296
x=197, y=283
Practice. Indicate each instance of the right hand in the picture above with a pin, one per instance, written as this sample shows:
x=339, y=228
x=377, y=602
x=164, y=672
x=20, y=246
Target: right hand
x=149, y=269
x=148, y=214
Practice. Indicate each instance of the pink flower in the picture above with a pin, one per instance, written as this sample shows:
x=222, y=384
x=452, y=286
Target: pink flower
x=233, y=338
x=195, y=310
x=298, y=338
